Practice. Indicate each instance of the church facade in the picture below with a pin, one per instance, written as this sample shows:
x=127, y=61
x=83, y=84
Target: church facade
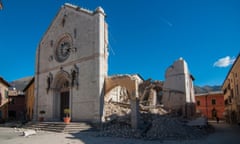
x=71, y=65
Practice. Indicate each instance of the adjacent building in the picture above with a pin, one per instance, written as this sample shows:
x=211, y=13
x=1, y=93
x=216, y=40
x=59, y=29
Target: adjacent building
x=29, y=99
x=178, y=89
x=210, y=104
x=16, y=105
x=16, y=99
x=4, y=85
x=72, y=64
x=231, y=90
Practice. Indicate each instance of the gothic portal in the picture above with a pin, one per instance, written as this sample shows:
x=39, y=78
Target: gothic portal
x=71, y=64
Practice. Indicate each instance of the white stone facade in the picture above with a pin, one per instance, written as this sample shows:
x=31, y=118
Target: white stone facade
x=178, y=88
x=71, y=64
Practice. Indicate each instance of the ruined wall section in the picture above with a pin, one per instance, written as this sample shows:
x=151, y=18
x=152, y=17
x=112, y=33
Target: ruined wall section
x=178, y=90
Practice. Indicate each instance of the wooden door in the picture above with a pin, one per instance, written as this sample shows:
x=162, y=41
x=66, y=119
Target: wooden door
x=64, y=102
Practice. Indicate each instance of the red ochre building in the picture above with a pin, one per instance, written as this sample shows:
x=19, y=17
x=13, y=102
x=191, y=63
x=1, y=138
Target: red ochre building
x=210, y=105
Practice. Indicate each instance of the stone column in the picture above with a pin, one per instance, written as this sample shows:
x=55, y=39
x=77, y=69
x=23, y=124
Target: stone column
x=134, y=113
x=135, y=107
x=153, y=93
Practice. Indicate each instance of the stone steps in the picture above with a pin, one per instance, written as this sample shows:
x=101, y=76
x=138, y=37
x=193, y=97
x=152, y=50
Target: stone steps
x=73, y=127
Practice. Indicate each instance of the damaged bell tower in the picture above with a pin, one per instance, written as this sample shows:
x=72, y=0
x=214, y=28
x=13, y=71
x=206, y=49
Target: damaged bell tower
x=178, y=89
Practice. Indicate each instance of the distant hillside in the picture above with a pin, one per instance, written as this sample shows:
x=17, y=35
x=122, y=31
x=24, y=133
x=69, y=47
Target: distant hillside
x=20, y=84
x=206, y=89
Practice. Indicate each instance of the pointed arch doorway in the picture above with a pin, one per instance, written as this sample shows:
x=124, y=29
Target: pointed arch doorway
x=61, y=95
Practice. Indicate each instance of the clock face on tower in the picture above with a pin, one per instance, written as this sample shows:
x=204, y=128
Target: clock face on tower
x=63, y=50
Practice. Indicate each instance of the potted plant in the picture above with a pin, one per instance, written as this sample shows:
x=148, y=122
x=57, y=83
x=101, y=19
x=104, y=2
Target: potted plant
x=67, y=115
x=41, y=118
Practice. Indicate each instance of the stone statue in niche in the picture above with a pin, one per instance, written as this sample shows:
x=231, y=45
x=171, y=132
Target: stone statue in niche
x=73, y=73
x=74, y=76
x=49, y=81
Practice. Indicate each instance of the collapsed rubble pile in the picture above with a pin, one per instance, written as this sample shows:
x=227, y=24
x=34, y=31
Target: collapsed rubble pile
x=114, y=111
x=119, y=129
x=168, y=127
x=155, y=121
x=152, y=126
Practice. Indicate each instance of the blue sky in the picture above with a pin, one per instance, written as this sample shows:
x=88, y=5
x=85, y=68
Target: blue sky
x=146, y=36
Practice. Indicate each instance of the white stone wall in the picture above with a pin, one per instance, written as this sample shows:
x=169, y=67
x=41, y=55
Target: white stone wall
x=178, y=87
x=87, y=32
x=3, y=90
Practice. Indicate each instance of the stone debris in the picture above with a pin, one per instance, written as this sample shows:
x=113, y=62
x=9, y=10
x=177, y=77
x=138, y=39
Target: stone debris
x=155, y=121
x=153, y=128
x=161, y=125
x=119, y=129
x=29, y=132
x=116, y=111
x=167, y=127
x=25, y=132
x=150, y=93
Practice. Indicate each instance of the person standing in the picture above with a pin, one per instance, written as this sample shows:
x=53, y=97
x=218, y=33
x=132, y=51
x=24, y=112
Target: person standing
x=217, y=118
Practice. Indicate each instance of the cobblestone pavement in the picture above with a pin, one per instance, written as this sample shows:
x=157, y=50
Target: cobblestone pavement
x=224, y=134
